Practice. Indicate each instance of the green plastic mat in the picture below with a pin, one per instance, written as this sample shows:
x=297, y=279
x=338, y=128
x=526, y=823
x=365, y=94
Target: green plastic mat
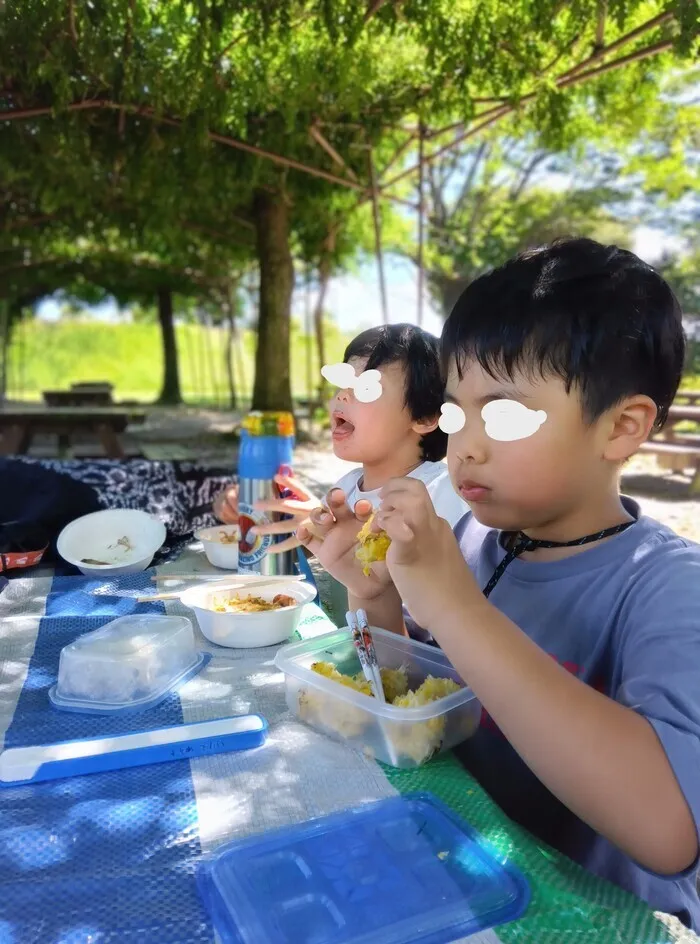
x=568, y=904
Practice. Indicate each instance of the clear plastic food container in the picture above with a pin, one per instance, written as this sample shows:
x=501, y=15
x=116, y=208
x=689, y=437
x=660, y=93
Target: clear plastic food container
x=403, y=869
x=400, y=737
x=131, y=663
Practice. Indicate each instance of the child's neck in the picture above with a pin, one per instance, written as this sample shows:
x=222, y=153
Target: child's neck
x=596, y=516
x=376, y=474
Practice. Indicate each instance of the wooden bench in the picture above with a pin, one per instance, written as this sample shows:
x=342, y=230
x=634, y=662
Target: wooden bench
x=691, y=397
x=18, y=428
x=85, y=397
x=679, y=456
x=93, y=385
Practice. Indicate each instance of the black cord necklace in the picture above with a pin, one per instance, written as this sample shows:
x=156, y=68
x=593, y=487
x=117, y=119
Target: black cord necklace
x=523, y=543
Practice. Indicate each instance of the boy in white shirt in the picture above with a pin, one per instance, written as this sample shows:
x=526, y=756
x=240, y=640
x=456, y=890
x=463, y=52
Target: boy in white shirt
x=394, y=435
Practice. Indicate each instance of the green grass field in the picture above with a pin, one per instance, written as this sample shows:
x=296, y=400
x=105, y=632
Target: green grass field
x=53, y=355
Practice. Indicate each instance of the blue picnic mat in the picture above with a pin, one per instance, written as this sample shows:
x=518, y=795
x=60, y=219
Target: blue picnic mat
x=115, y=850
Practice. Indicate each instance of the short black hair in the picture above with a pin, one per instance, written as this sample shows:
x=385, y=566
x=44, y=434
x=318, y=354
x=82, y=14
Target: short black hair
x=419, y=353
x=596, y=316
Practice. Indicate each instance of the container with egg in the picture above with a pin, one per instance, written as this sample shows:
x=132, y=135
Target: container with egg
x=428, y=710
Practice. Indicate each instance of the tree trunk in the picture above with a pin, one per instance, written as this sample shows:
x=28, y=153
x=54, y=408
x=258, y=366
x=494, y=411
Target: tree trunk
x=447, y=290
x=170, y=394
x=4, y=346
x=272, y=389
x=230, y=344
x=324, y=276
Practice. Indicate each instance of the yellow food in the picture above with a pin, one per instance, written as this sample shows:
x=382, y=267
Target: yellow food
x=358, y=683
x=394, y=682
x=253, y=604
x=372, y=547
x=421, y=740
x=415, y=740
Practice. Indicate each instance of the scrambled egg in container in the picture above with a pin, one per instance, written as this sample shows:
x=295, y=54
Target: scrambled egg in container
x=416, y=740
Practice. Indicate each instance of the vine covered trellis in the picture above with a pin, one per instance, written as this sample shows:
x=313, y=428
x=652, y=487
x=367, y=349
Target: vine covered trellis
x=152, y=146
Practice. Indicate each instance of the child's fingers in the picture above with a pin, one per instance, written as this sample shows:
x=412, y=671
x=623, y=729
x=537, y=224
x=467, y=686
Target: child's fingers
x=290, y=544
x=308, y=539
x=320, y=522
x=274, y=527
x=301, y=492
x=404, y=486
x=225, y=506
x=284, y=506
x=363, y=510
x=337, y=503
x=396, y=527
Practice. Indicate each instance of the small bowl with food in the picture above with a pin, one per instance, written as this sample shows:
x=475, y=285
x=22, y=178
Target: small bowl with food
x=220, y=544
x=111, y=543
x=249, y=619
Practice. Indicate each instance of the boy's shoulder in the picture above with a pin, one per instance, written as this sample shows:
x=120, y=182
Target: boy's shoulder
x=646, y=561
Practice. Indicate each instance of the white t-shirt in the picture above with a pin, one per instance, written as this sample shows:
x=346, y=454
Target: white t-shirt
x=446, y=501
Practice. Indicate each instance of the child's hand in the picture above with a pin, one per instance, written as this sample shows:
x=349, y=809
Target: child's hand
x=424, y=559
x=298, y=508
x=331, y=536
x=225, y=505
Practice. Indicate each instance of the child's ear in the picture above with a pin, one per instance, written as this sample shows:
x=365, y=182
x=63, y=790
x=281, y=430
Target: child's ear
x=423, y=427
x=630, y=424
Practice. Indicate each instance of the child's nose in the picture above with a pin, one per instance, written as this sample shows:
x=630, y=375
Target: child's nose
x=471, y=444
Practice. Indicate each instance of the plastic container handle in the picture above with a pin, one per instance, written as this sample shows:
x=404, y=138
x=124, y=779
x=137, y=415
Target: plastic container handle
x=20, y=765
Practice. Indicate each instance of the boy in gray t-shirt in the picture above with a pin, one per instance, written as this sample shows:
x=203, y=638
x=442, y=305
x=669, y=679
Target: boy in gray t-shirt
x=576, y=620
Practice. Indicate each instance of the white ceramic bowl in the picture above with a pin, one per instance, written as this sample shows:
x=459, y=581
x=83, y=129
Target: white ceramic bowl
x=97, y=537
x=218, y=554
x=248, y=630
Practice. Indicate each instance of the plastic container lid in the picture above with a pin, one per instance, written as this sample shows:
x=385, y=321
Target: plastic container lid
x=131, y=663
x=397, y=871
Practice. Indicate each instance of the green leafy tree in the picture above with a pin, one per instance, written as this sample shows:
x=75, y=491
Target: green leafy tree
x=195, y=131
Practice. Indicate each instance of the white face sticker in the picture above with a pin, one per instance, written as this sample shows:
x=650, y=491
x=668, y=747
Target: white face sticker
x=508, y=420
x=367, y=387
x=452, y=418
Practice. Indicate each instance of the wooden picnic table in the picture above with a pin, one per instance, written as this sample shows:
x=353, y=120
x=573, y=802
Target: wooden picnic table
x=82, y=397
x=19, y=426
x=677, y=450
x=683, y=412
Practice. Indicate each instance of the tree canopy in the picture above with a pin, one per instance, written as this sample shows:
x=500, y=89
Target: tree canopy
x=160, y=145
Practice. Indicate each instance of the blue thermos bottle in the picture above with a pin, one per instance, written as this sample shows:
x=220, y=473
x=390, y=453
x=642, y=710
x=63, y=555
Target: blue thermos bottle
x=267, y=447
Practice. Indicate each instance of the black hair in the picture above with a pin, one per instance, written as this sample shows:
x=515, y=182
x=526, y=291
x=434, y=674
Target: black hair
x=419, y=353
x=596, y=316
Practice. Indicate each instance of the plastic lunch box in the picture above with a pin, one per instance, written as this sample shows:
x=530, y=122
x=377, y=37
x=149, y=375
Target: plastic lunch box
x=130, y=664
x=400, y=737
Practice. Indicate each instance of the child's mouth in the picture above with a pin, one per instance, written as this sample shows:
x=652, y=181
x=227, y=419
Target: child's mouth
x=342, y=428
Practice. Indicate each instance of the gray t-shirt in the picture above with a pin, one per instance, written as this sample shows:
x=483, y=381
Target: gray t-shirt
x=623, y=616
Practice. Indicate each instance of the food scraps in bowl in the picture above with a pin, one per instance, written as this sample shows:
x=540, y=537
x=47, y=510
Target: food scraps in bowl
x=252, y=604
x=224, y=537
x=123, y=546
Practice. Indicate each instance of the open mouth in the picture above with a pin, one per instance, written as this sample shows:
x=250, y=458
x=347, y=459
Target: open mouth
x=341, y=427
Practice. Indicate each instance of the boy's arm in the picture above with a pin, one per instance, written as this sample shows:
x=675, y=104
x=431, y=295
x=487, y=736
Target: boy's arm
x=628, y=767
x=384, y=611
x=602, y=759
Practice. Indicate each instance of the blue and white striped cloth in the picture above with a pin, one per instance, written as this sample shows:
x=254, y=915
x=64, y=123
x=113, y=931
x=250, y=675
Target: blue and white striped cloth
x=112, y=857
